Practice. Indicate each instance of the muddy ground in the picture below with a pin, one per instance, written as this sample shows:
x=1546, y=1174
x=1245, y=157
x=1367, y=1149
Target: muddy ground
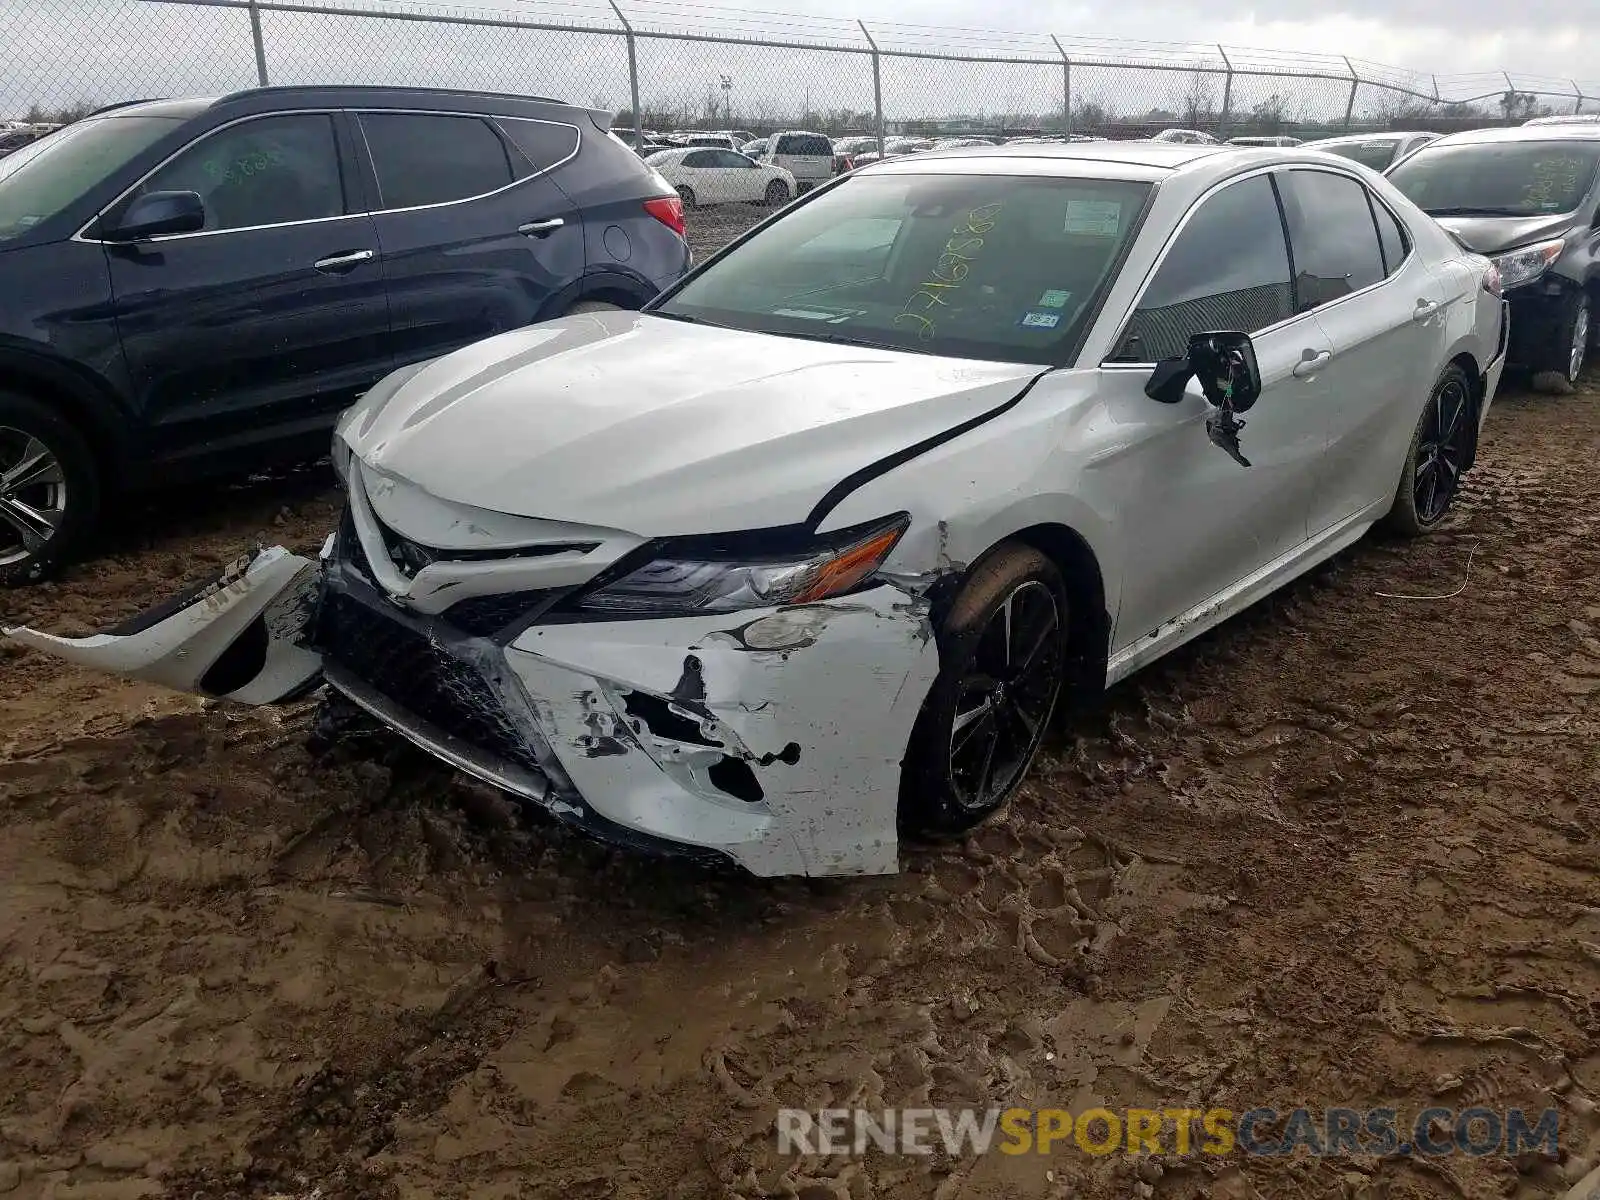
x=1343, y=851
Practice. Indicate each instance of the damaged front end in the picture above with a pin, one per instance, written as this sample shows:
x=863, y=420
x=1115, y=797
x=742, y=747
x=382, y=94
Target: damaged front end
x=768, y=735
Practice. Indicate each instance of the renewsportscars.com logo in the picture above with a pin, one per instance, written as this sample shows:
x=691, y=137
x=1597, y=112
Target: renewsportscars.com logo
x=1172, y=1131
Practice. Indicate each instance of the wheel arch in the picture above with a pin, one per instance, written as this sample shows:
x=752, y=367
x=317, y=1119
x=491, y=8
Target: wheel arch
x=1476, y=388
x=95, y=416
x=1089, y=622
x=609, y=287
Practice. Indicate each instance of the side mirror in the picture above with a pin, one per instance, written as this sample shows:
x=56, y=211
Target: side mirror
x=1215, y=360
x=157, y=213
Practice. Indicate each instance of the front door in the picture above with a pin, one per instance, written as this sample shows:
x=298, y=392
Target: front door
x=476, y=237
x=273, y=317
x=1194, y=521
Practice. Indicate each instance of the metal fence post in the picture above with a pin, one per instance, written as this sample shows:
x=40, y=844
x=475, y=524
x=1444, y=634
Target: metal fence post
x=1577, y=91
x=633, y=75
x=1066, y=91
x=260, y=44
x=877, y=85
x=1350, y=104
x=1227, y=94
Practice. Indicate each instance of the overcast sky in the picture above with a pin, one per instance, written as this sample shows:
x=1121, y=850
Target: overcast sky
x=59, y=51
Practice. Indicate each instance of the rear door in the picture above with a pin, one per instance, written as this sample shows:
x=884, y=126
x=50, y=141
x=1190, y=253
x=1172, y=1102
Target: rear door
x=273, y=317
x=1383, y=312
x=476, y=235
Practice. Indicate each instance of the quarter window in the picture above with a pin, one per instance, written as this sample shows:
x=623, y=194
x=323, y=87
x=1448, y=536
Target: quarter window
x=1334, y=238
x=1228, y=269
x=700, y=158
x=268, y=171
x=1391, y=236
x=545, y=143
x=426, y=159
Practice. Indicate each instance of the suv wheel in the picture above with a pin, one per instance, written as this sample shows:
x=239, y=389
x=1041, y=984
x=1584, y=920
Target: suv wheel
x=49, y=489
x=1568, y=347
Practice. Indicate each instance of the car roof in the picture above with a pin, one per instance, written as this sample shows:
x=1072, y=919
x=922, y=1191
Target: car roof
x=1385, y=135
x=183, y=109
x=1521, y=133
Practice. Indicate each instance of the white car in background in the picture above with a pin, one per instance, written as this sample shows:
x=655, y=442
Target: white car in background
x=806, y=156
x=705, y=176
x=808, y=551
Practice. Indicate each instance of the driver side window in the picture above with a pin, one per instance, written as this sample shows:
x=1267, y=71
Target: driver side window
x=1228, y=269
x=268, y=171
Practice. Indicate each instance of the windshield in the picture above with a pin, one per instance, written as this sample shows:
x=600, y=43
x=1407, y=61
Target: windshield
x=1510, y=179
x=45, y=177
x=971, y=266
x=1375, y=153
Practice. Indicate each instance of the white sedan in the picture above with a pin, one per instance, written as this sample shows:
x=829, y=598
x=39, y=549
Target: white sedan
x=810, y=551
x=705, y=176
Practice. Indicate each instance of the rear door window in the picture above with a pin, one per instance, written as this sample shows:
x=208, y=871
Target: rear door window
x=1332, y=233
x=701, y=158
x=423, y=158
x=1228, y=269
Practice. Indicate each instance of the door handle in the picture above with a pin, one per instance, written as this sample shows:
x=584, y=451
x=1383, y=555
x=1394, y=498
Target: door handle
x=1311, y=361
x=1424, y=310
x=335, y=263
x=540, y=228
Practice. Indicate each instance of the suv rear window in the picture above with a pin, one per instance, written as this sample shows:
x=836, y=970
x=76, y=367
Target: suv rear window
x=1499, y=179
x=806, y=144
x=1002, y=268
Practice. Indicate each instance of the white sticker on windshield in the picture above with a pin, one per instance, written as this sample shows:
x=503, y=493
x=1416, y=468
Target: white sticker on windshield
x=1094, y=218
x=1054, y=299
x=816, y=314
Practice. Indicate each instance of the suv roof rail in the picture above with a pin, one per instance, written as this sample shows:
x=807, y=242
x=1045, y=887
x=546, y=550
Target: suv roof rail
x=293, y=88
x=105, y=108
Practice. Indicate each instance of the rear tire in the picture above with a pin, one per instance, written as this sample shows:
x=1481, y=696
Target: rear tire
x=49, y=483
x=686, y=194
x=1003, y=657
x=1439, y=448
x=1558, y=367
x=777, y=193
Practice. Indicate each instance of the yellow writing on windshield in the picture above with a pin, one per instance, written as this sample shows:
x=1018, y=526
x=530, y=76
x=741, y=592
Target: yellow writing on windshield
x=950, y=270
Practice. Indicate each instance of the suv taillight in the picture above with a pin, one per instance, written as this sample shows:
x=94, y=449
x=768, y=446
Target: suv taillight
x=1491, y=280
x=669, y=211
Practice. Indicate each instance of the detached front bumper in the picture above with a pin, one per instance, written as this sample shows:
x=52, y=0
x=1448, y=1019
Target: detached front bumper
x=771, y=738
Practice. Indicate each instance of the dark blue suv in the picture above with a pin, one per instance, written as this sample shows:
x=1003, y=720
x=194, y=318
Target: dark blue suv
x=192, y=286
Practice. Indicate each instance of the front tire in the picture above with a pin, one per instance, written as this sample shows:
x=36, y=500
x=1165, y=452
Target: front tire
x=1440, y=448
x=1003, y=655
x=1559, y=366
x=49, y=490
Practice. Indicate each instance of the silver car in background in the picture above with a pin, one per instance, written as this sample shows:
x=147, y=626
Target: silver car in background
x=809, y=551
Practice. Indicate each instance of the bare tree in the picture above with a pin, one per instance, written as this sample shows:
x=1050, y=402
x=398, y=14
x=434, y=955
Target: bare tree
x=1200, y=99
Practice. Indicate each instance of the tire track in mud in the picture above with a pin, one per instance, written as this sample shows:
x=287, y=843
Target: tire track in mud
x=1341, y=852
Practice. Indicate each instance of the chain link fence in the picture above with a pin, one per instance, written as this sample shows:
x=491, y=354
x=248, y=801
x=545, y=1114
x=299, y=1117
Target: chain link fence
x=677, y=65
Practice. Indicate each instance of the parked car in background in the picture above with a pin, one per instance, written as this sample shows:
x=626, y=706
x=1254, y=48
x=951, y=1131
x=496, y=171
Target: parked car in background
x=755, y=149
x=806, y=156
x=720, y=141
x=845, y=149
x=1379, y=151
x=1277, y=140
x=1186, y=137
x=697, y=579
x=703, y=177
x=1568, y=119
x=892, y=148
x=1529, y=198
x=12, y=140
x=187, y=285
x=961, y=143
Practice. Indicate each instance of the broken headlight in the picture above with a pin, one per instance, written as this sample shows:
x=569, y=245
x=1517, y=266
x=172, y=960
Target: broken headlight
x=680, y=582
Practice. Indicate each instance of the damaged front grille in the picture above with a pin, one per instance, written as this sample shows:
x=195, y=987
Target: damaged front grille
x=485, y=616
x=420, y=676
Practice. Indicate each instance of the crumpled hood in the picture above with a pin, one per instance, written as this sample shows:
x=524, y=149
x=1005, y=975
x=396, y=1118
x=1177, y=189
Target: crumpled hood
x=1494, y=235
x=659, y=427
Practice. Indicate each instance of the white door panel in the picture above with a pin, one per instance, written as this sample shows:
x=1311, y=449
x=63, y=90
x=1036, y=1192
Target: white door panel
x=1195, y=521
x=1387, y=343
